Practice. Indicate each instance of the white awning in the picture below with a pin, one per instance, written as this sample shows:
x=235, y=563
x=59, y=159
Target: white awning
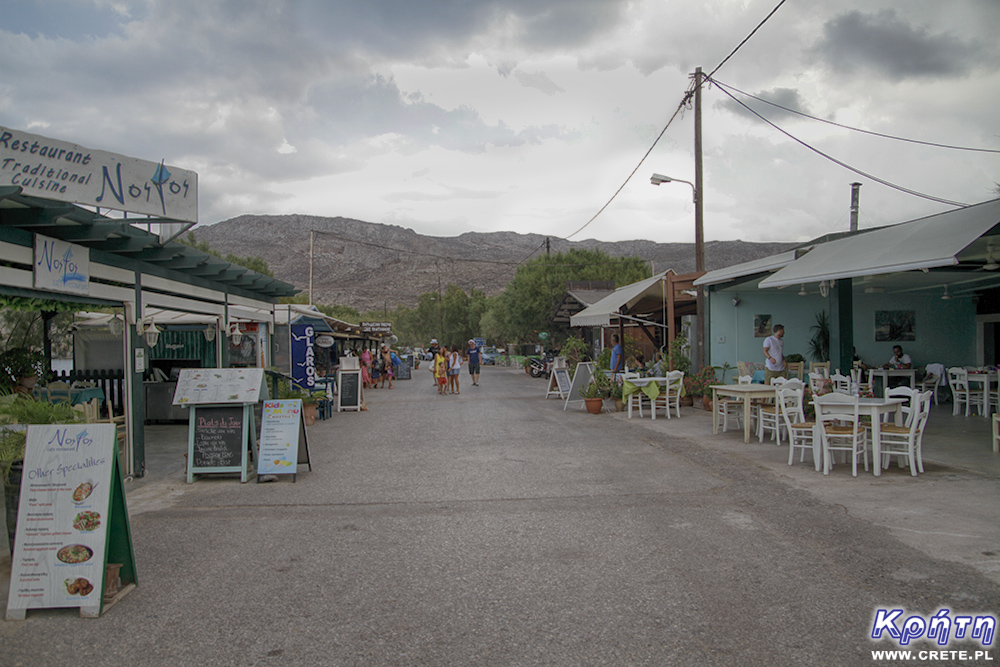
x=599, y=314
x=763, y=265
x=925, y=243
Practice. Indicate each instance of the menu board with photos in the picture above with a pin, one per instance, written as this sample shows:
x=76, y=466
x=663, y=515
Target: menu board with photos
x=283, y=444
x=200, y=386
x=71, y=520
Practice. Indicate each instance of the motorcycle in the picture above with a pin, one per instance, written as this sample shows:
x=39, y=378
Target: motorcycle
x=541, y=366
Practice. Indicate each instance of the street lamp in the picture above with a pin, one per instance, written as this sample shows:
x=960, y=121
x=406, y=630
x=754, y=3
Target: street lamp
x=699, y=256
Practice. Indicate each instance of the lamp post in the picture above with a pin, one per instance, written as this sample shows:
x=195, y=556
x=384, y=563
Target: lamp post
x=699, y=257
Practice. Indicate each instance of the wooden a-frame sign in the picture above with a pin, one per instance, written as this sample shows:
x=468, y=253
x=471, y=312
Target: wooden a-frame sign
x=282, y=424
x=76, y=549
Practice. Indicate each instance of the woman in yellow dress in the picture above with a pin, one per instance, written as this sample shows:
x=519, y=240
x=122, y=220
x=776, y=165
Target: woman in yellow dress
x=441, y=368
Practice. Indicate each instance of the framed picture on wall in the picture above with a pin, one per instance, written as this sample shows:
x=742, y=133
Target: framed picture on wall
x=761, y=326
x=894, y=325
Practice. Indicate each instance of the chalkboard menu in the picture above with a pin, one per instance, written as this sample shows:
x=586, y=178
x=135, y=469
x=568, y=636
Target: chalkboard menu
x=218, y=437
x=350, y=390
x=403, y=370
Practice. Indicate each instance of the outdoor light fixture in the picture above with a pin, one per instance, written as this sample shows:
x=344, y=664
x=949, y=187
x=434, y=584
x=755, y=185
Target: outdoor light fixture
x=991, y=263
x=147, y=329
x=802, y=290
x=116, y=325
x=657, y=179
x=736, y=301
x=945, y=296
x=824, y=289
x=235, y=334
x=209, y=333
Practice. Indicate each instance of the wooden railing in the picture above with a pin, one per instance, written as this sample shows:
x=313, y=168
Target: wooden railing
x=112, y=382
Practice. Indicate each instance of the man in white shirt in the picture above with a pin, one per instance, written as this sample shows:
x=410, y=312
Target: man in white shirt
x=774, y=354
x=899, y=360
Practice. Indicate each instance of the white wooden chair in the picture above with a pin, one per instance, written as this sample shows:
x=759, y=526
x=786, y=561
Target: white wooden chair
x=670, y=393
x=906, y=442
x=822, y=367
x=841, y=429
x=958, y=380
x=932, y=379
x=800, y=431
x=768, y=416
x=731, y=407
x=816, y=382
x=841, y=383
x=636, y=399
x=907, y=408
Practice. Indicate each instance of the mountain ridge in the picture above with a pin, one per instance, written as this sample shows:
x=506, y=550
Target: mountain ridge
x=375, y=266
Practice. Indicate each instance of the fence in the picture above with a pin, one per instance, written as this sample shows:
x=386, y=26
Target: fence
x=112, y=382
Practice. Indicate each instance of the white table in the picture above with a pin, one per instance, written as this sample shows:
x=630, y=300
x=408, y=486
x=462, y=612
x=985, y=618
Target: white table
x=886, y=373
x=744, y=392
x=643, y=382
x=876, y=407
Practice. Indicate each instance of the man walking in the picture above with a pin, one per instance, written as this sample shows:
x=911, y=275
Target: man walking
x=774, y=354
x=475, y=358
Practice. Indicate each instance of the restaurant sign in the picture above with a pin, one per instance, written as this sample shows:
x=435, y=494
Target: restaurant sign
x=67, y=172
x=376, y=327
x=61, y=266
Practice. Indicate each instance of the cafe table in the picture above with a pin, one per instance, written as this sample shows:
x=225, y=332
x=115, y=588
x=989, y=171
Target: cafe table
x=650, y=386
x=885, y=373
x=744, y=392
x=873, y=407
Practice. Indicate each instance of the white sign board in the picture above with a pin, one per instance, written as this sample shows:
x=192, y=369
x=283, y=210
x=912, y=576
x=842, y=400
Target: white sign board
x=63, y=171
x=62, y=518
x=205, y=386
x=61, y=266
x=279, y=443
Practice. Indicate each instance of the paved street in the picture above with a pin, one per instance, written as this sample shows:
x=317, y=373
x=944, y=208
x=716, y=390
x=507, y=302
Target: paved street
x=493, y=528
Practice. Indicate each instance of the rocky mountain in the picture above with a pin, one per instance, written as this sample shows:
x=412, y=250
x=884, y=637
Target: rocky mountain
x=372, y=266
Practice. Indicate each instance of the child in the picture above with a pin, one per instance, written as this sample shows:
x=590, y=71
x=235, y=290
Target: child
x=454, y=366
x=441, y=368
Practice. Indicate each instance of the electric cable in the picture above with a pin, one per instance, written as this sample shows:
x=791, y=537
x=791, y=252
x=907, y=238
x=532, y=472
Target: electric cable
x=683, y=104
x=841, y=163
x=855, y=129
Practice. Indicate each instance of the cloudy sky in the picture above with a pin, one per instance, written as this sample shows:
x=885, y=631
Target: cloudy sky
x=522, y=115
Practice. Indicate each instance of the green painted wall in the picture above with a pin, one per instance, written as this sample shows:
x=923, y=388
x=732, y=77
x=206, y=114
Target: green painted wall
x=945, y=330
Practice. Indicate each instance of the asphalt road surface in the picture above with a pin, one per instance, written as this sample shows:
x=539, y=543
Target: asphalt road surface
x=494, y=528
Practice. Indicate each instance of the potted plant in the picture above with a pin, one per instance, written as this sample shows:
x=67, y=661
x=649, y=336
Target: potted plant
x=699, y=384
x=21, y=368
x=593, y=395
x=16, y=412
x=617, y=394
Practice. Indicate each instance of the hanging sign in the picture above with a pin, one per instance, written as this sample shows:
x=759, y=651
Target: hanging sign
x=376, y=327
x=61, y=266
x=72, y=522
x=283, y=443
x=303, y=355
x=63, y=171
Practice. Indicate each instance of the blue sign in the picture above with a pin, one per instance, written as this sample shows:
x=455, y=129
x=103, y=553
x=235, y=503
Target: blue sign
x=304, y=355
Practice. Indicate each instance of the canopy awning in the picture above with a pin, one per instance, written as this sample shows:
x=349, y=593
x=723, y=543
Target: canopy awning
x=757, y=266
x=649, y=295
x=925, y=243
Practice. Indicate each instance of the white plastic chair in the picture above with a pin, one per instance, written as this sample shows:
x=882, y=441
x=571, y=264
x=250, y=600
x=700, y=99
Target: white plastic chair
x=906, y=442
x=800, y=432
x=841, y=429
x=958, y=380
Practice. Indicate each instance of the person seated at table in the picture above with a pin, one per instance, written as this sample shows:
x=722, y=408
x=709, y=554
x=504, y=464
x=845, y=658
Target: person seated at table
x=657, y=367
x=899, y=361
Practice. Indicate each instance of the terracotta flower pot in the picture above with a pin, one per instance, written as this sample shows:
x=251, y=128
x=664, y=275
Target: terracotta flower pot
x=620, y=405
x=706, y=401
x=594, y=405
x=309, y=413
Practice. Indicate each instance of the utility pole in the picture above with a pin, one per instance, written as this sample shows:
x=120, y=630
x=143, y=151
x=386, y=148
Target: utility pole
x=548, y=247
x=699, y=218
x=312, y=236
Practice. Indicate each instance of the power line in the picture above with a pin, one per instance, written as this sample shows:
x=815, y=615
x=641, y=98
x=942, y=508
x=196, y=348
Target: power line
x=683, y=104
x=855, y=129
x=841, y=163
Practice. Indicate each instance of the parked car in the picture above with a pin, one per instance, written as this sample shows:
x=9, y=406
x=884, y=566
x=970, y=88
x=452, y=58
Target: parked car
x=489, y=355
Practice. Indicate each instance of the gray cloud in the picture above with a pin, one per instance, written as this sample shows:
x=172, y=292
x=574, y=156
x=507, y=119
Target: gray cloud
x=539, y=81
x=785, y=97
x=883, y=44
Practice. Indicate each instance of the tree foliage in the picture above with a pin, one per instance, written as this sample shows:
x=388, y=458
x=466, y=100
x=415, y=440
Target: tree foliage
x=253, y=262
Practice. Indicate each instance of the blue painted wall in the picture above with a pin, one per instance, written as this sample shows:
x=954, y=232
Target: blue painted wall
x=945, y=330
